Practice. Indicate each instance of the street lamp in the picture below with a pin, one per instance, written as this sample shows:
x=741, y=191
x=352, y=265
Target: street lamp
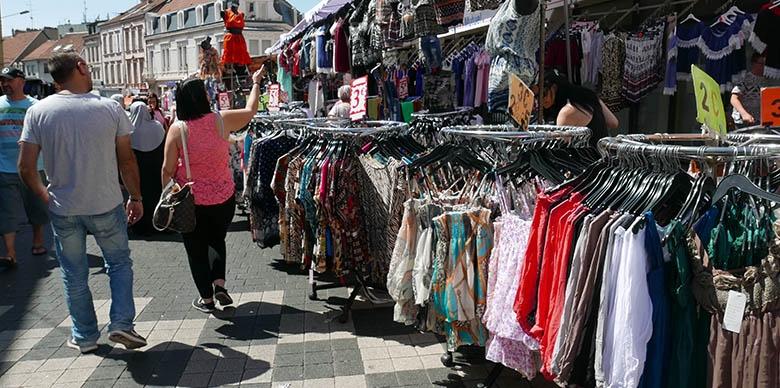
x=26, y=11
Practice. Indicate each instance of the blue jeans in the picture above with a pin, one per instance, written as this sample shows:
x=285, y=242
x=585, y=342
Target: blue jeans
x=70, y=239
x=431, y=48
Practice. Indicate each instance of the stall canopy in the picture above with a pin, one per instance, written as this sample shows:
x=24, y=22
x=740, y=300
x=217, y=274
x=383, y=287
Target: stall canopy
x=320, y=11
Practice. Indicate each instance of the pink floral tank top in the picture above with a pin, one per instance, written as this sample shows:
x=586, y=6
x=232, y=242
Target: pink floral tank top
x=209, y=156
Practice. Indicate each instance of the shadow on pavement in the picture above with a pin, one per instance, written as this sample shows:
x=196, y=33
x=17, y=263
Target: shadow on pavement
x=178, y=364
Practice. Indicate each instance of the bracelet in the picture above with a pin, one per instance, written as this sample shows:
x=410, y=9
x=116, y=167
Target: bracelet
x=256, y=83
x=135, y=199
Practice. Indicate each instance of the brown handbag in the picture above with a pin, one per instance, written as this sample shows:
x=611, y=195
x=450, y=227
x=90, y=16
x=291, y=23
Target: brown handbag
x=175, y=212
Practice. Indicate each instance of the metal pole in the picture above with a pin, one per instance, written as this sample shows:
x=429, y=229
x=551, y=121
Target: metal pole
x=568, y=39
x=540, y=89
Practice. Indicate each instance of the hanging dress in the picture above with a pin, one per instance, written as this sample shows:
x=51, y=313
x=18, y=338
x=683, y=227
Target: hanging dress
x=233, y=45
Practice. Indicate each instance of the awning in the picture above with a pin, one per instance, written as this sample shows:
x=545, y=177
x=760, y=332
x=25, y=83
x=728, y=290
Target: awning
x=320, y=11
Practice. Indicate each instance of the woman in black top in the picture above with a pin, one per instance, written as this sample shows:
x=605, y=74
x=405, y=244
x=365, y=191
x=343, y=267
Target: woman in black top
x=573, y=105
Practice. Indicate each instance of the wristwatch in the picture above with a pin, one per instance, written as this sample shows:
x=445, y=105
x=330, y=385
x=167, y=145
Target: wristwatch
x=135, y=199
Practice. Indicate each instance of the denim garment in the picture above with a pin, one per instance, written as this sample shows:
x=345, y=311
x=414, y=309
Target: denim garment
x=110, y=232
x=431, y=48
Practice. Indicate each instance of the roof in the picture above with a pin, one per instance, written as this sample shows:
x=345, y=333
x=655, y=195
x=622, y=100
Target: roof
x=73, y=42
x=15, y=45
x=139, y=9
x=178, y=5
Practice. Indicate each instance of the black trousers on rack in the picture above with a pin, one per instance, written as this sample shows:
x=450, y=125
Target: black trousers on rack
x=211, y=227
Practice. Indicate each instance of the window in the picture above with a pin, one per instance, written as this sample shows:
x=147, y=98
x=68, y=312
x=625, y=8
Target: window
x=263, y=11
x=209, y=14
x=155, y=26
x=183, y=57
x=254, y=47
x=250, y=12
x=189, y=18
x=150, y=70
x=265, y=45
x=166, y=58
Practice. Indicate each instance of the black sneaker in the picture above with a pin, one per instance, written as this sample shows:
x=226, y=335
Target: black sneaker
x=221, y=295
x=82, y=348
x=129, y=338
x=202, y=306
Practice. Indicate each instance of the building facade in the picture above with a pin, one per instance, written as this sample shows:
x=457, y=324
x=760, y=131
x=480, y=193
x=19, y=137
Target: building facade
x=175, y=31
x=21, y=43
x=121, y=47
x=36, y=64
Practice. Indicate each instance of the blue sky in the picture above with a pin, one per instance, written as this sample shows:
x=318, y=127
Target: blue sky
x=54, y=12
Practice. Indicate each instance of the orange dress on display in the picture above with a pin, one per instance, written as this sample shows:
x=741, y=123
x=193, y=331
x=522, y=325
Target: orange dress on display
x=233, y=45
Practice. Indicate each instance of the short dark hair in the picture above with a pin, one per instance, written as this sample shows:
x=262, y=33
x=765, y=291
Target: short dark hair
x=61, y=66
x=191, y=100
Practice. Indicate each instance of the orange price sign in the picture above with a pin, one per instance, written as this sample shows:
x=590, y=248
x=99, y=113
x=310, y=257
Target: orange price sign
x=358, y=98
x=770, y=107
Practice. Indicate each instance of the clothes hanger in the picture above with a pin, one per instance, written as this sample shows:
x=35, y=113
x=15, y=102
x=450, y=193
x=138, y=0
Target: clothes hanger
x=745, y=185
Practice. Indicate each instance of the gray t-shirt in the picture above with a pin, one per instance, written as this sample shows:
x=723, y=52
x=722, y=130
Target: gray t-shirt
x=750, y=95
x=77, y=135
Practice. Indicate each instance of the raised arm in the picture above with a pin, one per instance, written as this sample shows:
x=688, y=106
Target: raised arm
x=235, y=119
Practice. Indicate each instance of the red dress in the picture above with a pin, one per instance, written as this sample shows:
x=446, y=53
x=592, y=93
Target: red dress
x=233, y=45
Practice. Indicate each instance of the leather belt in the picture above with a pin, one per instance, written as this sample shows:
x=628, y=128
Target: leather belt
x=236, y=31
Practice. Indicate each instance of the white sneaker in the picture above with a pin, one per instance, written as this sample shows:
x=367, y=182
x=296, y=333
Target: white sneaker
x=82, y=348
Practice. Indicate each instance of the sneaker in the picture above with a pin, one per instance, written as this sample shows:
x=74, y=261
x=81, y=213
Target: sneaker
x=202, y=306
x=82, y=348
x=129, y=338
x=221, y=295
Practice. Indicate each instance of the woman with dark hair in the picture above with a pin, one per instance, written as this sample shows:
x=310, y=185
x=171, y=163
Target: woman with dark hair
x=148, y=144
x=208, y=149
x=573, y=105
x=157, y=112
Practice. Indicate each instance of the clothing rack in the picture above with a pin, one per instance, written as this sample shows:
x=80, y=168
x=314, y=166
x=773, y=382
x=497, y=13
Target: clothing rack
x=648, y=145
x=504, y=133
x=369, y=128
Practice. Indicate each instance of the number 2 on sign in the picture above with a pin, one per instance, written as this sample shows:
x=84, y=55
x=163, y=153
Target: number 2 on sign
x=704, y=99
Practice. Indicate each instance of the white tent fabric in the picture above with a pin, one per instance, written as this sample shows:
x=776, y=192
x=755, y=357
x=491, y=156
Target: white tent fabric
x=320, y=11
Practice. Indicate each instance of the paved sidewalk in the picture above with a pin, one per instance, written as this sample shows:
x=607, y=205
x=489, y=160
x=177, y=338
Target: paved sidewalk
x=274, y=337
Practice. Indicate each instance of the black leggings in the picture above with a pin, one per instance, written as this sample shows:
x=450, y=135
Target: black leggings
x=211, y=227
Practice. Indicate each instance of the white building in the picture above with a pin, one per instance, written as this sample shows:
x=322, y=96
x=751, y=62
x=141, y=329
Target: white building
x=93, y=53
x=175, y=31
x=122, y=47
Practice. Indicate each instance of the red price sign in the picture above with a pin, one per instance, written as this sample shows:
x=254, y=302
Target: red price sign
x=224, y=100
x=770, y=107
x=357, y=100
x=273, y=98
x=403, y=88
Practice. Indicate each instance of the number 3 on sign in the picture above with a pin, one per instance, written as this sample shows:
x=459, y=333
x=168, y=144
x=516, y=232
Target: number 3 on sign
x=770, y=107
x=358, y=95
x=709, y=107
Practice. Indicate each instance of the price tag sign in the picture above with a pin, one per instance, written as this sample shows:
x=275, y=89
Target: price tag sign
x=709, y=105
x=403, y=88
x=770, y=107
x=521, y=101
x=358, y=98
x=224, y=100
x=273, y=98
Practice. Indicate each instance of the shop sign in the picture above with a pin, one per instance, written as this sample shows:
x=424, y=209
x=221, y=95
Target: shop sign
x=709, y=105
x=224, y=100
x=770, y=107
x=521, y=101
x=273, y=98
x=358, y=98
x=403, y=88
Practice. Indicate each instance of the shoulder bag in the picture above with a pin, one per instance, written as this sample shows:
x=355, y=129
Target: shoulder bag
x=175, y=212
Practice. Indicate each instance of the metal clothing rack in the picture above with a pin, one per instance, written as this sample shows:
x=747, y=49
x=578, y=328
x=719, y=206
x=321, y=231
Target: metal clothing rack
x=505, y=133
x=360, y=129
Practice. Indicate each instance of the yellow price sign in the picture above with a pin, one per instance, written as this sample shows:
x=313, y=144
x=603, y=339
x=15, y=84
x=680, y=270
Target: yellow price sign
x=521, y=101
x=709, y=105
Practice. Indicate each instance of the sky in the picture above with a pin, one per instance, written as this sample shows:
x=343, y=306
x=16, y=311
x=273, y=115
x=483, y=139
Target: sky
x=54, y=12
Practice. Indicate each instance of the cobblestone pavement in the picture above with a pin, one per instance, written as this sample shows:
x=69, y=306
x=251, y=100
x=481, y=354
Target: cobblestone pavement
x=274, y=337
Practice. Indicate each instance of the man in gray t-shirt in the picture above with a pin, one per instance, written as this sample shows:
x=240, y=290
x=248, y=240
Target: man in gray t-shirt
x=83, y=139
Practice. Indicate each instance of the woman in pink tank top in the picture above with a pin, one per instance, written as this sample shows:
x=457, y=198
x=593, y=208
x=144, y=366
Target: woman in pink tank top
x=207, y=135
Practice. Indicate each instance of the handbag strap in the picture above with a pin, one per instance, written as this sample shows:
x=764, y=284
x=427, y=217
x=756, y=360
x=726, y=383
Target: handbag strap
x=221, y=125
x=184, y=130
